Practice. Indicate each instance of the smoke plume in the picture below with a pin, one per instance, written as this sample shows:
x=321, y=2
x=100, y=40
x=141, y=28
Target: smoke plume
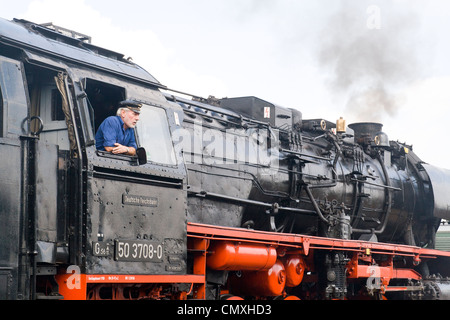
x=369, y=54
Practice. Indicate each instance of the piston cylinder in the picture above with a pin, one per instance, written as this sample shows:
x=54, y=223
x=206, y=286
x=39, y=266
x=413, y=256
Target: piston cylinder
x=226, y=255
x=269, y=282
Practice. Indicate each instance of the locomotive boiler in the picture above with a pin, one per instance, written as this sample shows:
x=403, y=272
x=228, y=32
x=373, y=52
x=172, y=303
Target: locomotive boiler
x=225, y=197
x=264, y=167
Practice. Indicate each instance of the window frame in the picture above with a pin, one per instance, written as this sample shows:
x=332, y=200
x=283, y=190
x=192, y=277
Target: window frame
x=138, y=137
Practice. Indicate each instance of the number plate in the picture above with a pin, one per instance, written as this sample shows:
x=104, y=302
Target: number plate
x=135, y=250
x=100, y=249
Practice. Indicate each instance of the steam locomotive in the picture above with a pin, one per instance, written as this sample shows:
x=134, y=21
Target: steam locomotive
x=218, y=193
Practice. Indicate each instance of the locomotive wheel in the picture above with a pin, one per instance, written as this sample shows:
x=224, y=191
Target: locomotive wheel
x=230, y=297
x=287, y=298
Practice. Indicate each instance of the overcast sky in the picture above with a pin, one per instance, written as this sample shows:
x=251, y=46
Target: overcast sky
x=384, y=61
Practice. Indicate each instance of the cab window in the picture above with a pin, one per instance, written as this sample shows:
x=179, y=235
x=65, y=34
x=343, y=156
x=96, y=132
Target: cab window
x=154, y=135
x=14, y=108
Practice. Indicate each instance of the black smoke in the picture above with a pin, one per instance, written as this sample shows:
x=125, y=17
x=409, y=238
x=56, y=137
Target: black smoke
x=369, y=53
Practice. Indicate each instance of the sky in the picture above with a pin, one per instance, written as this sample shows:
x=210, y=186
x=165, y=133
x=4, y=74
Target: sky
x=383, y=61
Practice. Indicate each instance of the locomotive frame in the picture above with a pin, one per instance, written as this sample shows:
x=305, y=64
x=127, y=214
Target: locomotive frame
x=169, y=224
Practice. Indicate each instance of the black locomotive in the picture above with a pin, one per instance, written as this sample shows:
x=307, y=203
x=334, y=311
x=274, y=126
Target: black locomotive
x=235, y=162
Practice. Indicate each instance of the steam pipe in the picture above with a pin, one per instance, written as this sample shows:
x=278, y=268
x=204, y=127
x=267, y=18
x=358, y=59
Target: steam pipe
x=308, y=190
x=315, y=205
x=388, y=189
x=389, y=195
x=240, y=201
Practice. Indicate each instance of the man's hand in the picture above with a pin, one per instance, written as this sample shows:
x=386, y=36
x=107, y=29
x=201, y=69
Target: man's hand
x=120, y=149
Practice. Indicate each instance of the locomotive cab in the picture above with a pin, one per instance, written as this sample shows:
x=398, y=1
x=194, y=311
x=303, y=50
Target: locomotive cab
x=67, y=206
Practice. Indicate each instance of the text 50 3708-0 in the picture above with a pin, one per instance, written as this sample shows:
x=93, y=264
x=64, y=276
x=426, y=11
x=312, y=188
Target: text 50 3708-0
x=135, y=250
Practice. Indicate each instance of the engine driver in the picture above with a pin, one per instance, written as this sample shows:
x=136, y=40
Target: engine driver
x=116, y=133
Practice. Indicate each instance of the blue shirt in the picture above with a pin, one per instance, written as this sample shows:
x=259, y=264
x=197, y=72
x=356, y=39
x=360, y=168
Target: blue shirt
x=111, y=131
